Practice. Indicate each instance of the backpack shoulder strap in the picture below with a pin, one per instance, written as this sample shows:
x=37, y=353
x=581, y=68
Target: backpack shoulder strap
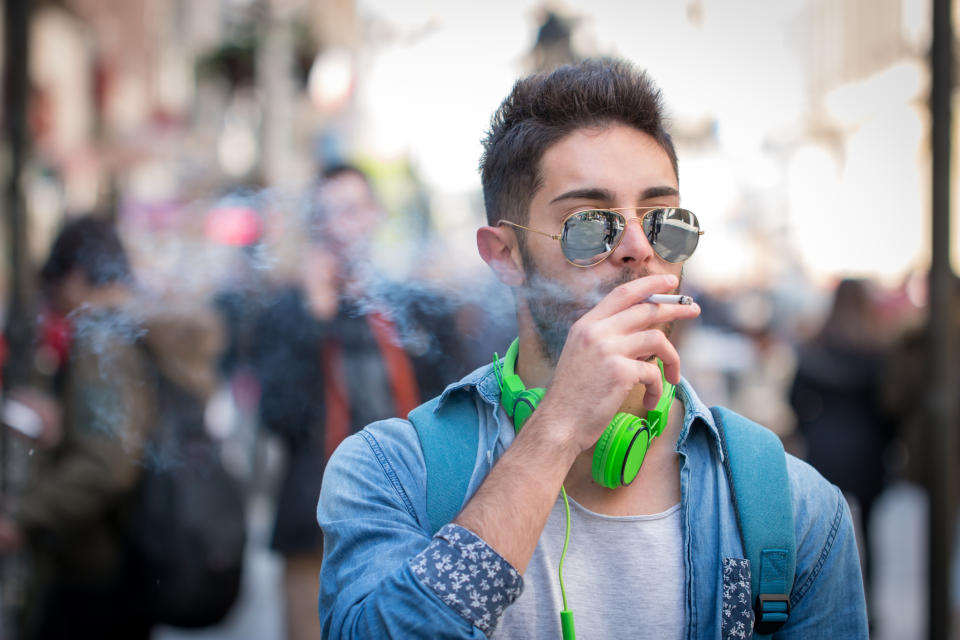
x=449, y=437
x=756, y=468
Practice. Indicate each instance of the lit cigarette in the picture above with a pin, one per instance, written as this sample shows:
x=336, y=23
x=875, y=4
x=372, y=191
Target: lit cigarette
x=659, y=298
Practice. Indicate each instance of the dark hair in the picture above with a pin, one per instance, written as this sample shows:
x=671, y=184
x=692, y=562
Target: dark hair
x=340, y=169
x=852, y=321
x=543, y=108
x=91, y=245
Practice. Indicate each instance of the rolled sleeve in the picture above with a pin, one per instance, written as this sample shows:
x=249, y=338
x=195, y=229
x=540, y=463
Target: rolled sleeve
x=468, y=576
x=383, y=575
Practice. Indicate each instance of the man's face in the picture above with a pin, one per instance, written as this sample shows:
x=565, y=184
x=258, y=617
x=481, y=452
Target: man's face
x=610, y=167
x=350, y=214
x=70, y=292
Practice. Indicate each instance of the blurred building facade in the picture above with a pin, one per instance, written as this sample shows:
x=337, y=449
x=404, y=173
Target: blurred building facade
x=153, y=103
x=141, y=106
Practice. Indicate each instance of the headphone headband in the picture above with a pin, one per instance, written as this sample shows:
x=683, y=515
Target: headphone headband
x=510, y=359
x=511, y=386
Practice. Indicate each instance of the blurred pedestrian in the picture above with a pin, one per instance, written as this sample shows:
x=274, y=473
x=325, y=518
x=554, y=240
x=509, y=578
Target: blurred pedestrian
x=75, y=513
x=69, y=512
x=332, y=356
x=836, y=396
x=906, y=391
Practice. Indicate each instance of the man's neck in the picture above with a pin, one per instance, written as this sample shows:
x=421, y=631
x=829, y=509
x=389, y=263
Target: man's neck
x=532, y=365
x=656, y=487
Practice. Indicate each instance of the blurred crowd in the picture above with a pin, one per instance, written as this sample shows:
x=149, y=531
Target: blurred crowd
x=846, y=391
x=138, y=440
x=137, y=448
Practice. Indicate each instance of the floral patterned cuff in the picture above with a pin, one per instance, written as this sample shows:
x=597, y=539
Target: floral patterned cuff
x=737, y=618
x=468, y=575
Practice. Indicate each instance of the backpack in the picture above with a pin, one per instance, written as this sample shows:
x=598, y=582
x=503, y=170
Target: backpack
x=187, y=529
x=754, y=463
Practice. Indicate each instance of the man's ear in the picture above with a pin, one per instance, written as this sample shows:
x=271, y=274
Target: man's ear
x=498, y=248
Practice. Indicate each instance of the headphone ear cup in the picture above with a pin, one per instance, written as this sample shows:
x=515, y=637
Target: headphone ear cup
x=524, y=406
x=600, y=456
x=620, y=451
x=638, y=432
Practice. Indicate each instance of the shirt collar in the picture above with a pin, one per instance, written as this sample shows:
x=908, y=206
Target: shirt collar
x=696, y=412
x=483, y=379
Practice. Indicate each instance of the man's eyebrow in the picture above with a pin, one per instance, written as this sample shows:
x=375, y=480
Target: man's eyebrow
x=597, y=193
x=590, y=193
x=659, y=192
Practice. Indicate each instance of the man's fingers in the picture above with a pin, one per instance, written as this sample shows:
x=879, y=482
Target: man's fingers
x=653, y=343
x=641, y=316
x=633, y=292
x=648, y=374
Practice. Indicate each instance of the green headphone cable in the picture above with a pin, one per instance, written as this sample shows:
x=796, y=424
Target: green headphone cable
x=566, y=616
x=617, y=456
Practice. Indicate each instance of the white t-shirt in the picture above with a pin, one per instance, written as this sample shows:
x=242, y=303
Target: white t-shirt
x=623, y=575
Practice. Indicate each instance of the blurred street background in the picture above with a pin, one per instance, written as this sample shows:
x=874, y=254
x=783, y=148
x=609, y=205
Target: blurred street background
x=210, y=136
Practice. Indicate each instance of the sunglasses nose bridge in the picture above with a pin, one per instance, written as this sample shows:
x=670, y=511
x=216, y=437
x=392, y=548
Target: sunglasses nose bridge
x=633, y=242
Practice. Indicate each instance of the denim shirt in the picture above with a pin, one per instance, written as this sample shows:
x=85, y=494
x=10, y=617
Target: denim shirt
x=385, y=576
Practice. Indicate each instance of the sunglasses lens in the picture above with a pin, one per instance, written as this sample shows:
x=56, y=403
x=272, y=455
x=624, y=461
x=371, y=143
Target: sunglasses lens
x=673, y=233
x=589, y=236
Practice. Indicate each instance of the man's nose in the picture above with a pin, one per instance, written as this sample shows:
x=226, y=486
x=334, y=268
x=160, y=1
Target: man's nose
x=634, y=247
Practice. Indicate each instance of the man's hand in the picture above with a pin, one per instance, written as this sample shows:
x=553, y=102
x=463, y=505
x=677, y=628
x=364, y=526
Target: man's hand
x=45, y=410
x=11, y=538
x=608, y=352
x=320, y=275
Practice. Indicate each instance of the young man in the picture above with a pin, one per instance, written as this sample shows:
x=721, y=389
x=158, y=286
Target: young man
x=330, y=355
x=582, y=196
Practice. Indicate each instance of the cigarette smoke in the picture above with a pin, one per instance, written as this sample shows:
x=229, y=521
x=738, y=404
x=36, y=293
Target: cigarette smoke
x=404, y=276
x=178, y=264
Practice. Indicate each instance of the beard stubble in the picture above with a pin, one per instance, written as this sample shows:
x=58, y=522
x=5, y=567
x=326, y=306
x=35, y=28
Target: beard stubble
x=554, y=308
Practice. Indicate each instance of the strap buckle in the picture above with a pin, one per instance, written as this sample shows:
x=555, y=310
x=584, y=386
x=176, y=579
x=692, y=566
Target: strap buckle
x=770, y=611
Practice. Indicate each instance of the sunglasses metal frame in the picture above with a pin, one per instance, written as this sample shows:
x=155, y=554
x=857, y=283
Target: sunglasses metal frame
x=559, y=236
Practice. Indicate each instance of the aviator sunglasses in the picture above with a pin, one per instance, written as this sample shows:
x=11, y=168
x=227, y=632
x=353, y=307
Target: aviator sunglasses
x=589, y=236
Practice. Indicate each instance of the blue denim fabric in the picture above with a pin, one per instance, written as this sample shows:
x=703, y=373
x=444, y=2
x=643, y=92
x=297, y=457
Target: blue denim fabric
x=383, y=573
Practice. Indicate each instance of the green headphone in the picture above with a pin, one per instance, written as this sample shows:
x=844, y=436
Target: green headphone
x=623, y=445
